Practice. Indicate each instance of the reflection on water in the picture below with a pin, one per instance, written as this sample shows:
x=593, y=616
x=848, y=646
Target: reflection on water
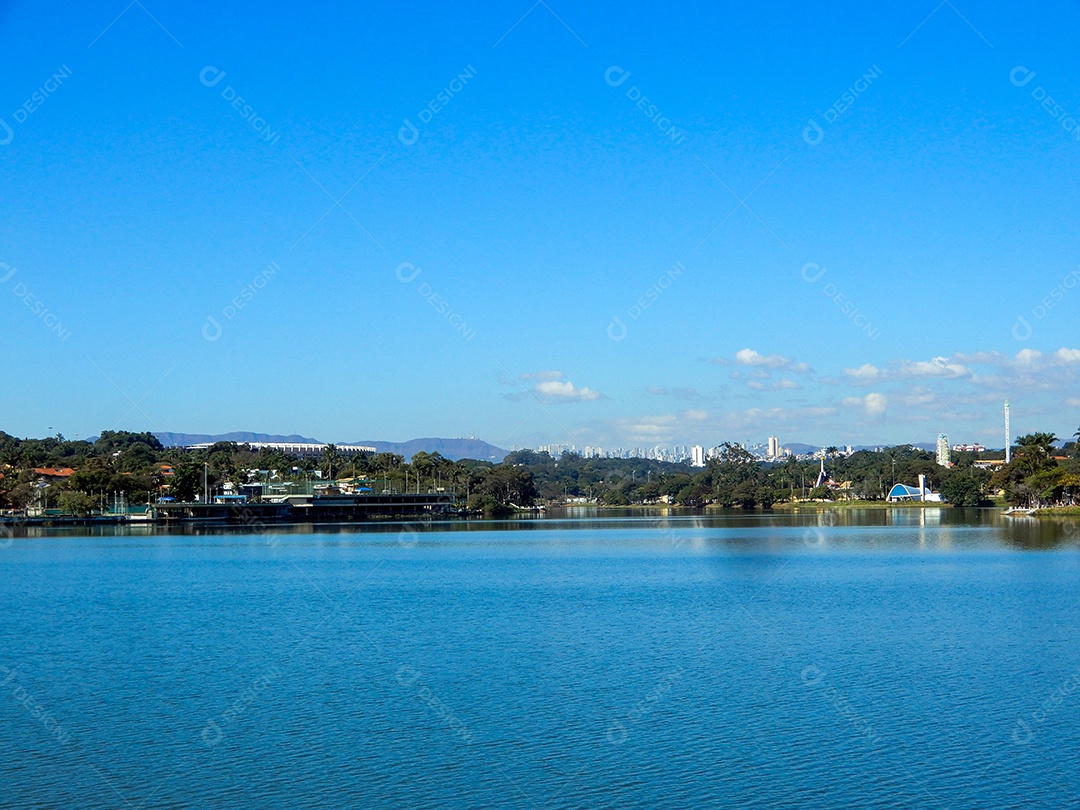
x=815, y=528
x=662, y=659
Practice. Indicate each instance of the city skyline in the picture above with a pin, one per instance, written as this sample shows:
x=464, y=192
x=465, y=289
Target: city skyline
x=541, y=229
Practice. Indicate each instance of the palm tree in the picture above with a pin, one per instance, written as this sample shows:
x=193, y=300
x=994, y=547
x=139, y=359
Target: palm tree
x=330, y=457
x=1037, y=451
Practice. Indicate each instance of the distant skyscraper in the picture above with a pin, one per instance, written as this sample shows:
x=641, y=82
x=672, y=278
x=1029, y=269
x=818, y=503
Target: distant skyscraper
x=943, y=450
x=697, y=456
x=774, y=447
x=1008, y=436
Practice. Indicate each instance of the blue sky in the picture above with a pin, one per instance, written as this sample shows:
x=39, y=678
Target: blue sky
x=622, y=225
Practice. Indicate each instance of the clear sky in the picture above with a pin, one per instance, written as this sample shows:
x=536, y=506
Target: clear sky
x=614, y=224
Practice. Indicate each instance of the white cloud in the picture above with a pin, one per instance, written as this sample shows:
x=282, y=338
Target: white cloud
x=770, y=362
x=1028, y=357
x=565, y=391
x=551, y=388
x=873, y=404
x=749, y=357
x=938, y=367
x=1068, y=355
x=864, y=373
x=941, y=367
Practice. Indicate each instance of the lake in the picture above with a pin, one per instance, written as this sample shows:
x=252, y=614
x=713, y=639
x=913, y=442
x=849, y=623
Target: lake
x=878, y=658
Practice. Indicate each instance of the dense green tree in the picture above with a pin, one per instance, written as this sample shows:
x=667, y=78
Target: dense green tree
x=76, y=503
x=961, y=490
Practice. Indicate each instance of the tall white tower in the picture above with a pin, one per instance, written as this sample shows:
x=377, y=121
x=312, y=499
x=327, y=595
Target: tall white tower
x=943, y=451
x=1008, y=435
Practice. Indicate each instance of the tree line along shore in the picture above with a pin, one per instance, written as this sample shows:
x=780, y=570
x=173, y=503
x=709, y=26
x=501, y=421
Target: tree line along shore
x=83, y=478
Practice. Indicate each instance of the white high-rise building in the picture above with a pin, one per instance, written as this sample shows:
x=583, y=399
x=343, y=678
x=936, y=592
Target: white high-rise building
x=943, y=451
x=774, y=447
x=1008, y=435
x=697, y=456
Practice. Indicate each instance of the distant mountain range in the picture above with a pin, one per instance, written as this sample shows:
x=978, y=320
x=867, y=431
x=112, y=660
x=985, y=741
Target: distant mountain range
x=454, y=449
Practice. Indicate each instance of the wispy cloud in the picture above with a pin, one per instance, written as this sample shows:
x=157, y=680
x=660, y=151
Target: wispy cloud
x=941, y=367
x=783, y=384
x=676, y=393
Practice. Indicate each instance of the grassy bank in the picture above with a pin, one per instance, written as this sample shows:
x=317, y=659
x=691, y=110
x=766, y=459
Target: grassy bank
x=1059, y=511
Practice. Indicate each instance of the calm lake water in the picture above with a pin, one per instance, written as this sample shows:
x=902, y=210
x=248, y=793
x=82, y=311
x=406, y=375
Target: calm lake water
x=906, y=658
